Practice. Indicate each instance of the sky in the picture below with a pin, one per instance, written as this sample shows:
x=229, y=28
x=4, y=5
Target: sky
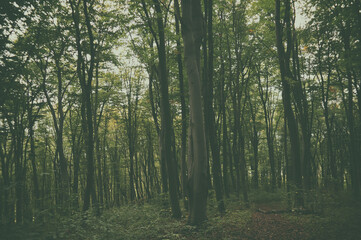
x=301, y=19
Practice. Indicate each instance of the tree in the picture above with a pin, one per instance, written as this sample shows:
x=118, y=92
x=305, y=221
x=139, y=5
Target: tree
x=268, y=113
x=85, y=79
x=197, y=163
x=286, y=78
x=208, y=107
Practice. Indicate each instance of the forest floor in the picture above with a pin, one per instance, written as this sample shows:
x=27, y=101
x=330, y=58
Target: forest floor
x=266, y=217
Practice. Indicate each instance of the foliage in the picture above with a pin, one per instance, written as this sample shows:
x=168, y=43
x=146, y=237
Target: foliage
x=152, y=221
x=49, y=118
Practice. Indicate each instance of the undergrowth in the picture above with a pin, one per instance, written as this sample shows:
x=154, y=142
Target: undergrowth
x=339, y=219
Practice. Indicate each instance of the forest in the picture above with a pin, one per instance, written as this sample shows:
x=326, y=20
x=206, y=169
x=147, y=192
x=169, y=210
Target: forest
x=168, y=119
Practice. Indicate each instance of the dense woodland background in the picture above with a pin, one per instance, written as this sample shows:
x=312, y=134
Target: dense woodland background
x=105, y=103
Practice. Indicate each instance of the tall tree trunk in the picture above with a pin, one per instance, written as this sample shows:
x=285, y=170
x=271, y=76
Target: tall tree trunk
x=64, y=178
x=130, y=130
x=353, y=148
x=32, y=156
x=286, y=77
x=96, y=136
x=166, y=118
x=254, y=142
x=76, y=153
x=302, y=106
x=163, y=164
x=224, y=128
x=85, y=79
x=325, y=88
x=4, y=158
x=268, y=117
x=183, y=108
x=58, y=121
x=197, y=166
x=116, y=169
x=243, y=165
x=18, y=133
x=208, y=108
x=105, y=165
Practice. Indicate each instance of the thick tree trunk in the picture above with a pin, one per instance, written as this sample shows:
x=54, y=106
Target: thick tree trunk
x=301, y=103
x=197, y=166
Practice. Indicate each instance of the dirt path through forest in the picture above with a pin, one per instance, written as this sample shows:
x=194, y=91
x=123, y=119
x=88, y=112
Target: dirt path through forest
x=274, y=226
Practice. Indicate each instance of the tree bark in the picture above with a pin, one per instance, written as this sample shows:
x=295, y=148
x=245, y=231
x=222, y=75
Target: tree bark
x=354, y=153
x=286, y=77
x=183, y=108
x=209, y=112
x=268, y=117
x=166, y=118
x=197, y=166
x=85, y=79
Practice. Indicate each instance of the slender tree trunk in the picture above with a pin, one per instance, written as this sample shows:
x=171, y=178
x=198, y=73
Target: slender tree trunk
x=18, y=133
x=64, y=182
x=183, y=109
x=116, y=169
x=224, y=129
x=287, y=104
x=209, y=113
x=243, y=164
x=76, y=153
x=166, y=118
x=268, y=117
x=354, y=158
x=163, y=164
x=32, y=157
x=254, y=142
x=96, y=137
x=325, y=97
x=85, y=79
x=105, y=165
x=288, y=172
x=58, y=121
x=130, y=130
x=4, y=157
